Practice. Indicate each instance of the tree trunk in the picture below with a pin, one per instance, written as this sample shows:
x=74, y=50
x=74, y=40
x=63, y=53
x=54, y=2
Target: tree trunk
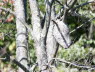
x=21, y=37
x=39, y=37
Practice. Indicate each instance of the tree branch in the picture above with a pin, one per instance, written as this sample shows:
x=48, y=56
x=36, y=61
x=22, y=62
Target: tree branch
x=81, y=25
x=73, y=9
x=10, y=58
x=73, y=64
x=72, y=3
x=47, y=18
x=7, y=10
x=67, y=7
x=59, y=2
x=27, y=26
x=19, y=64
x=33, y=67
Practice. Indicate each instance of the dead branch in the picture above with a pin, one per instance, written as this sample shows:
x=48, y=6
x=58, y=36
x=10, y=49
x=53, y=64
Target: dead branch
x=82, y=25
x=33, y=67
x=7, y=10
x=3, y=50
x=81, y=5
x=59, y=2
x=67, y=7
x=7, y=57
x=10, y=58
x=19, y=64
x=73, y=64
x=72, y=3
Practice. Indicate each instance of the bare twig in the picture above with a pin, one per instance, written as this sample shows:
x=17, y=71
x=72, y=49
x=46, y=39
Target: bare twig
x=33, y=67
x=82, y=25
x=7, y=10
x=10, y=58
x=47, y=18
x=27, y=26
x=67, y=8
x=15, y=62
x=72, y=3
x=73, y=64
x=59, y=2
x=73, y=9
x=19, y=64
x=3, y=50
x=42, y=15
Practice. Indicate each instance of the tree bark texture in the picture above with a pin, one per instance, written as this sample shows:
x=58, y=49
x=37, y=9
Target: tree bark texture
x=39, y=37
x=21, y=36
x=44, y=38
x=51, y=43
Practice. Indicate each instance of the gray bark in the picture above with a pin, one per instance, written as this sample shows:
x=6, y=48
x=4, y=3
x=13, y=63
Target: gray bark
x=21, y=37
x=39, y=37
x=47, y=18
x=51, y=43
x=61, y=33
x=45, y=43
